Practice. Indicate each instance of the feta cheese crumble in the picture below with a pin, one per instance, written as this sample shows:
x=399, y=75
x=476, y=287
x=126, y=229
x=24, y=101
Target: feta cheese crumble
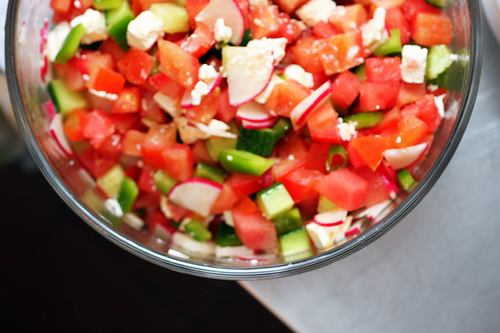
x=94, y=23
x=275, y=45
x=144, y=30
x=413, y=64
x=373, y=32
x=200, y=89
x=297, y=73
x=222, y=33
x=56, y=39
x=207, y=73
x=316, y=11
x=324, y=237
x=346, y=130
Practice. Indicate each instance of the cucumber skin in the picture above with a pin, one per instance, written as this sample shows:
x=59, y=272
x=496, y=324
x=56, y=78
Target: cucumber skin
x=65, y=100
x=260, y=142
x=226, y=236
x=238, y=161
x=117, y=21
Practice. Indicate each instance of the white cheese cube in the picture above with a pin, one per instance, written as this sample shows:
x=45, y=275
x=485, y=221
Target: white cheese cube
x=373, y=32
x=297, y=73
x=413, y=64
x=275, y=45
x=324, y=237
x=222, y=33
x=94, y=23
x=56, y=39
x=144, y=30
x=316, y=11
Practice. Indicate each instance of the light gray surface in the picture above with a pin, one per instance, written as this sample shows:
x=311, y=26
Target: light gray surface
x=438, y=270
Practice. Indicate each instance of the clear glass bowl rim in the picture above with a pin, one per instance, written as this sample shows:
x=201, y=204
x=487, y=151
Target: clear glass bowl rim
x=258, y=272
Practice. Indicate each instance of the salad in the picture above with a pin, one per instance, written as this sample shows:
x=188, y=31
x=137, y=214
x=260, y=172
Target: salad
x=248, y=129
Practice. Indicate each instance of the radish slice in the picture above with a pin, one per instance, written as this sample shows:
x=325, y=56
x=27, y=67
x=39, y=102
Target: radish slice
x=196, y=194
x=44, y=35
x=187, y=100
x=51, y=110
x=331, y=218
x=315, y=100
x=253, y=112
x=168, y=104
x=230, y=12
x=374, y=211
x=389, y=177
x=57, y=132
x=400, y=158
x=354, y=229
x=259, y=125
x=187, y=243
x=248, y=72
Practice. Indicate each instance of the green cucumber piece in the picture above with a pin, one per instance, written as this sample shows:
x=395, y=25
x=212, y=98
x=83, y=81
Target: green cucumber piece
x=274, y=200
x=288, y=221
x=282, y=126
x=439, y=60
x=163, y=182
x=64, y=99
x=175, y=18
x=392, y=45
x=210, y=172
x=337, y=158
x=70, y=44
x=127, y=194
x=325, y=205
x=216, y=144
x=226, y=236
x=437, y=3
x=247, y=37
x=117, y=21
x=238, y=161
x=295, y=242
x=360, y=72
x=257, y=141
x=107, y=4
x=406, y=180
x=262, y=141
x=198, y=231
x=365, y=119
x=111, y=181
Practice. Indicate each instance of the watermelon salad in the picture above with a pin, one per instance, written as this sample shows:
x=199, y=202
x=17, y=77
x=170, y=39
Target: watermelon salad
x=248, y=129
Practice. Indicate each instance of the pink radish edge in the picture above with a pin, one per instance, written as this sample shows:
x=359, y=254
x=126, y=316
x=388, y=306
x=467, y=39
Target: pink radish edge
x=57, y=132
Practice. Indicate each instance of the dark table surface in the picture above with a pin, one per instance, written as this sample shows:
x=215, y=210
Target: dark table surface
x=57, y=274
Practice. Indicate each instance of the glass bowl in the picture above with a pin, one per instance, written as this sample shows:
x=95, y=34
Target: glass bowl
x=26, y=18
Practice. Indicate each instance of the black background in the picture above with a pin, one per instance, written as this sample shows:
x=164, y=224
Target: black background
x=57, y=274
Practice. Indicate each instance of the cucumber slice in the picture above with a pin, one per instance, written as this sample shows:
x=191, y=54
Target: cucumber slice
x=325, y=205
x=64, y=99
x=226, y=236
x=392, y=45
x=257, y=141
x=281, y=127
x=406, y=180
x=163, y=182
x=107, y=4
x=216, y=144
x=288, y=221
x=127, y=194
x=238, y=161
x=440, y=58
x=117, y=21
x=111, y=181
x=207, y=171
x=365, y=119
x=274, y=200
x=294, y=243
x=360, y=72
x=70, y=45
x=438, y=3
x=198, y=231
x=175, y=18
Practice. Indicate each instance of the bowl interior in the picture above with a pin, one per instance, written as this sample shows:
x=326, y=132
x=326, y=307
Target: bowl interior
x=27, y=18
